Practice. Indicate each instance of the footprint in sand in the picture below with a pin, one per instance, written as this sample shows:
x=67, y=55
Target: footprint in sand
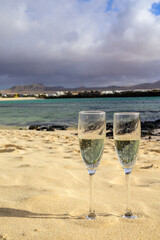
x=150, y=183
x=27, y=136
x=66, y=137
x=24, y=166
x=20, y=158
x=47, y=141
x=149, y=166
x=145, y=153
x=10, y=148
x=155, y=150
x=3, y=237
x=50, y=147
x=68, y=151
x=76, y=150
x=70, y=145
x=7, y=150
x=15, y=146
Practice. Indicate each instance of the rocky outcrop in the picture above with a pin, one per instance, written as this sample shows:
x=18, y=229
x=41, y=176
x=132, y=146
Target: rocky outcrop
x=50, y=127
x=148, y=128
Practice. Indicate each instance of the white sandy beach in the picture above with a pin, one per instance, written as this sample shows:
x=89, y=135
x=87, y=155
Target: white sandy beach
x=44, y=190
x=17, y=98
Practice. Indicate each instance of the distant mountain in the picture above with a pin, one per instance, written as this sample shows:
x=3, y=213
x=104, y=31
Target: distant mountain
x=154, y=85
x=34, y=88
x=147, y=86
x=40, y=88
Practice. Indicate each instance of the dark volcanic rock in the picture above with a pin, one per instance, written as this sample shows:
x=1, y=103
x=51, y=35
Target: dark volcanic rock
x=109, y=126
x=147, y=128
x=109, y=134
x=146, y=133
x=47, y=127
x=150, y=125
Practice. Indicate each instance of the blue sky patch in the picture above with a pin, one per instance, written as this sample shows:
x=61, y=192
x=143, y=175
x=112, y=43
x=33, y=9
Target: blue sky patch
x=155, y=9
x=110, y=7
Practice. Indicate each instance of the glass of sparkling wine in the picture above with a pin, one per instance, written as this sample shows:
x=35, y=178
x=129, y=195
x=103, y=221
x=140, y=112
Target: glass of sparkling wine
x=127, y=133
x=91, y=134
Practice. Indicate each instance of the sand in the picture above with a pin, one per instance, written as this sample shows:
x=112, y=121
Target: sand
x=17, y=98
x=44, y=190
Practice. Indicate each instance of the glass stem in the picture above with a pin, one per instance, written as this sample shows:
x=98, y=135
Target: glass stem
x=128, y=204
x=92, y=214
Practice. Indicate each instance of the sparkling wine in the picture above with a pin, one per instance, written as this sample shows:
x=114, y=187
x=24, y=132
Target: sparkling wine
x=91, y=151
x=127, y=151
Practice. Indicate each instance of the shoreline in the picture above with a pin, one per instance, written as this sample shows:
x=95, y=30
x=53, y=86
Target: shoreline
x=17, y=98
x=152, y=134
x=117, y=95
x=16, y=127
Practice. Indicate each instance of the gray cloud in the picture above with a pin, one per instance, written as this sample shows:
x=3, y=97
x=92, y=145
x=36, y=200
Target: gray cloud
x=75, y=43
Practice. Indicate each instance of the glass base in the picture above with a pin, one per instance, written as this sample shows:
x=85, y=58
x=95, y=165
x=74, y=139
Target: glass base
x=127, y=170
x=129, y=215
x=91, y=171
x=91, y=216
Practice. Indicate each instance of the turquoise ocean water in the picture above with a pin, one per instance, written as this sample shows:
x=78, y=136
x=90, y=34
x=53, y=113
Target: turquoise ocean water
x=65, y=111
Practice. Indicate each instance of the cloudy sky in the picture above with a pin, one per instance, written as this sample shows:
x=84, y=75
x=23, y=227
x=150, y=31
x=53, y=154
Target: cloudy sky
x=79, y=42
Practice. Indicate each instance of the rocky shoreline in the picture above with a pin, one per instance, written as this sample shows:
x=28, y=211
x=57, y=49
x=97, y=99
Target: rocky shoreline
x=148, y=128
x=47, y=127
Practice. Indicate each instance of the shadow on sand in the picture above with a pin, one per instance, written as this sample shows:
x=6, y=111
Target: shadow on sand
x=11, y=212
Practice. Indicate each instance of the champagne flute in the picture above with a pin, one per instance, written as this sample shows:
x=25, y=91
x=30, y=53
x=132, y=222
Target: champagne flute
x=127, y=133
x=91, y=134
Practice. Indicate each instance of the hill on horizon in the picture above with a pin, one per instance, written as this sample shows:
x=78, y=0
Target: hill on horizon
x=40, y=88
